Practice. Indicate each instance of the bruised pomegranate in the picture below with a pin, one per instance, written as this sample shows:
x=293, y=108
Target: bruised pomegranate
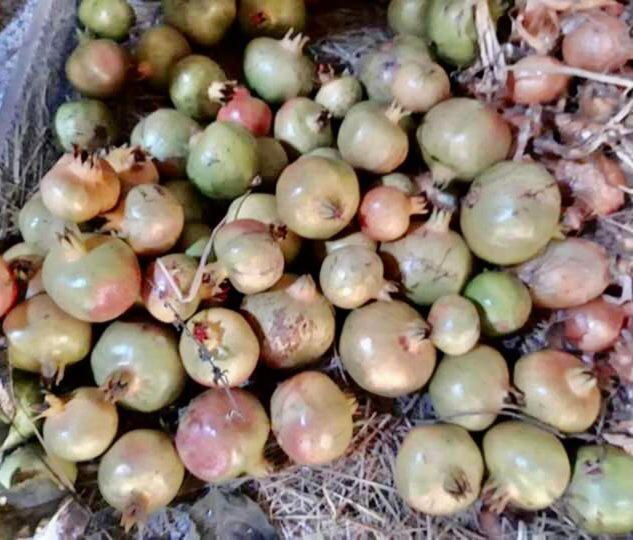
x=93, y=277
x=44, y=339
x=221, y=435
x=79, y=187
x=294, y=323
x=385, y=348
x=312, y=418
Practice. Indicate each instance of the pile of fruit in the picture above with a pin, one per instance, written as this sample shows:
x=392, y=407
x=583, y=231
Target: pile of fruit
x=393, y=219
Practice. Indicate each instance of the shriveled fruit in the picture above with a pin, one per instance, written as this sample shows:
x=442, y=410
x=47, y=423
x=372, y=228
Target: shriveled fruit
x=80, y=426
x=558, y=389
x=385, y=348
x=461, y=137
x=529, y=468
x=133, y=166
x=204, y=21
x=431, y=260
x=511, y=212
x=44, y=339
x=221, y=436
x=138, y=365
x=600, y=496
x=93, y=277
x=140, y=474
x=438, y=469
x=158, y=50
x=271, y=17
x=165, y=135
x=277, y=69
x=567, y=273
x=455, y=324
x=294, y=323
x=98, y=68
x=312, y=418
x=223, y=161
x=303, y=125
x=228, y=341
x=503, y=302
x=79, y=187
x=470, y=389
x=107, y=18
x=87, y=123
x=317, y=197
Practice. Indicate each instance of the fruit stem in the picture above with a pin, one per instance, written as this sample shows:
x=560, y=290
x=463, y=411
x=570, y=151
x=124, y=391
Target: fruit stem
x=303, y=289
x=442, y=174
x=118, y=385
x=456, y=483
x=325, y=73
x=135, y=512
x=438, y=222
x=72, y=240
x=51, y=371
x=213, y=280
x=54, y=405
x=386, y=290
x=495, y=496
x=294, y=44
x=395, y=112
x=414, y=336
x=581, y=380
x=331, y=209
x=417, y=205
x=222, y=91
x=318, y=122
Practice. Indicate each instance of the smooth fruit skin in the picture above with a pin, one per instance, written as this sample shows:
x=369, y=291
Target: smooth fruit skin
x=83, y=427
x=383, y=346
x=98, y=68
x=407, y=16
x=107, y=18
x=204, y=21
x=158, y=50
x=223, y=161
x=147, y=351
x=38, y=226
x=455, y=324
x=531, y=86
x=311, y=418
x=339, y=95
x=140, y=473
x=510, y=212
x=438, y=469
x=273, y=159
x=165, y=135
x=221, y=437
x=189, y=198
x=43, y=339
x=503, y=302
x=600, y=496
x=271, y=17
x=86, y=123
x=96, y=286
x=558, y=389
x=189, y=82
x=303, y=125
x=230, y=341
x=470, y=389
x=528, y=466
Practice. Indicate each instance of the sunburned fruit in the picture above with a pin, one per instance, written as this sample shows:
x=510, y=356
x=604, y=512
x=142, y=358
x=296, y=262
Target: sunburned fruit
x=223, y=337
x=317, y=197
x=204, y=21
x=107, y=18
x=189, y=82
x=44, y=339
x=511, y=212
x=338, y=94
x=158, y=50
x=461, y=137
x=98, y=68
x=600, y=496
x=222, y=435
x=79, y=187
x=94, y=278
x=223, y=160
x=18, y=412
x=311, y=418
x=263, y=207
x=431, y=260
x=133, y=166
x=138, y=365
x=277, y=69
x=567, y=273
x=303, y=125
x=385, y=348
x=455, y=324
x=352, y=273
x=87, y=124
x=294, y=323
x=165, y=135
x=529, y=468
x=371, y=138
x=558, y=389
x=503, y=302
x=271, y=17
x=438, y=469
x=140, y=474
x=470, y=389
x=150, y=219
x=80, y=426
